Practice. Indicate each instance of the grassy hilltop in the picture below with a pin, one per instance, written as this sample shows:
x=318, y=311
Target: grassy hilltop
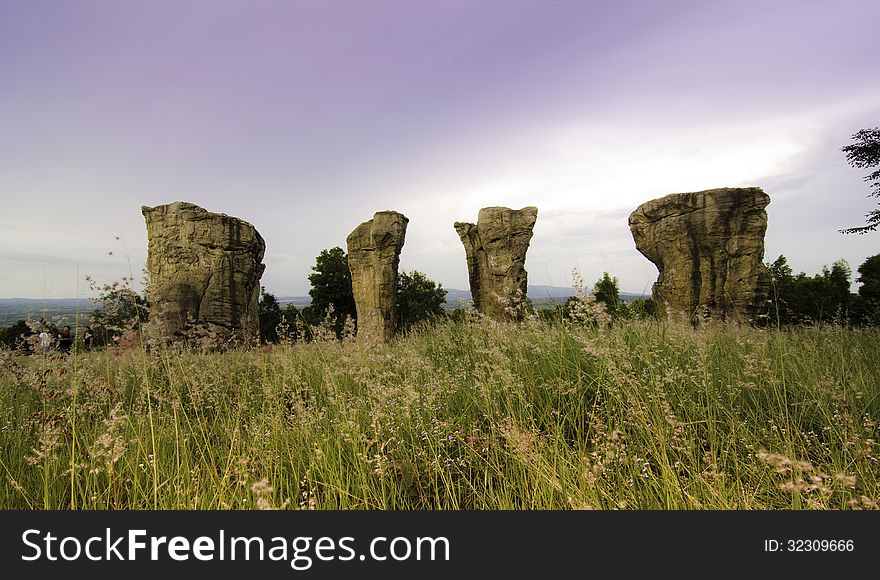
x=467, y=415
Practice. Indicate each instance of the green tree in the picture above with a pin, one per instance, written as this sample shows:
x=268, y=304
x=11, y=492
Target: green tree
x=120, y=309
x=865, y=153
x=607, y=292
x=15, y=337
x=781, y=292
x=825, y=297
x=270, y=316
x=837, y=282
x=869, y=291
x=277, y=324
x=869, y=278
x=331, y=285
x=418, y=299
x=290, y=326
x=642, y=308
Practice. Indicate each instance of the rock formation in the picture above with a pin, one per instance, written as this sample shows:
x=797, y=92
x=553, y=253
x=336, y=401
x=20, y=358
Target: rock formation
x=205, y=271
x=708, y=247
x=496, y=254
x=373, y=255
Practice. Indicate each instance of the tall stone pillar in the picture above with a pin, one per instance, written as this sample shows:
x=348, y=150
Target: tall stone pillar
x=205, y=271
x=373, y=256
x=496, y=255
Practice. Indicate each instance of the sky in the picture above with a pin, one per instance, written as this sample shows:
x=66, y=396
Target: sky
x=305, y=118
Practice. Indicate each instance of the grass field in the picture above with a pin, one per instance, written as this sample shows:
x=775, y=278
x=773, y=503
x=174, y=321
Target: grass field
x=468, y=415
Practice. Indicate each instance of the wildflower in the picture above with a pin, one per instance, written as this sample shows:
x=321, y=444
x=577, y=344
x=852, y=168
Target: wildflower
x=110, y=446
x=50, y=440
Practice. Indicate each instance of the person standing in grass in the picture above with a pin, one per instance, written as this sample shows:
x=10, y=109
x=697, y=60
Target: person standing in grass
x=45, y=341
x=65, y=341
x=88, y=338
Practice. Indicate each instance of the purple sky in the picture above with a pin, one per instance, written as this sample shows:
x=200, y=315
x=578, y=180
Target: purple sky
x=305, y=118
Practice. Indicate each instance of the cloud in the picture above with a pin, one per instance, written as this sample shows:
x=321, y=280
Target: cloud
x=48, y=259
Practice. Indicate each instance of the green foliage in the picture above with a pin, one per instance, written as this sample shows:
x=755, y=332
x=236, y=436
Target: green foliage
x=277, y=324
x=607, y=292
x=549, y=314
x=418, y=299
x=585, y=310
x=15, y=337
x=869, y=291
x=291, y=325
x=601, y=306
x=331, y=287
x=865, y=153
x=642, y=308
x=869, y=278
x=799, y=299
x=120, y=309
x=270, y=316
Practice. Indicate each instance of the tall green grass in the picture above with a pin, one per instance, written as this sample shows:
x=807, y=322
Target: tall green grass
x=469, y=415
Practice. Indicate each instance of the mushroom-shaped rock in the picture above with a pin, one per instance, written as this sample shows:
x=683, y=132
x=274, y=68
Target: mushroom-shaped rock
x=709, y=249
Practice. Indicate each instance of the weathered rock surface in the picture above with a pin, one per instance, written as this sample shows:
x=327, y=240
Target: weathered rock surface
x=373, y=255
x=496, y=255
x=205, y=271
x=709, y=249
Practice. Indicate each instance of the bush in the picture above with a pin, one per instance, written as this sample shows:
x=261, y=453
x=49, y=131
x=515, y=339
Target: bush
x=418, y=299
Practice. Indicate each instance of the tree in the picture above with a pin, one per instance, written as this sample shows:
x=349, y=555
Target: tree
x=869, y=278
x=277, y=324
x=270, y=316
x=642, y=308
x=869, y=291
x=15, y=336
x=607, y=291
x=825, y=297
x=865, y=153
x=120, y=309
x=331, y=285
x=781, y=291
x=418, y=299
x=290, y=327
x=837, y=281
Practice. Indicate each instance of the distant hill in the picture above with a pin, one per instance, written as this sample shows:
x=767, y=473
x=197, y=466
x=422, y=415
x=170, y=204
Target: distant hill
x=58, y=310
x=298, y=301
x=540, y=295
